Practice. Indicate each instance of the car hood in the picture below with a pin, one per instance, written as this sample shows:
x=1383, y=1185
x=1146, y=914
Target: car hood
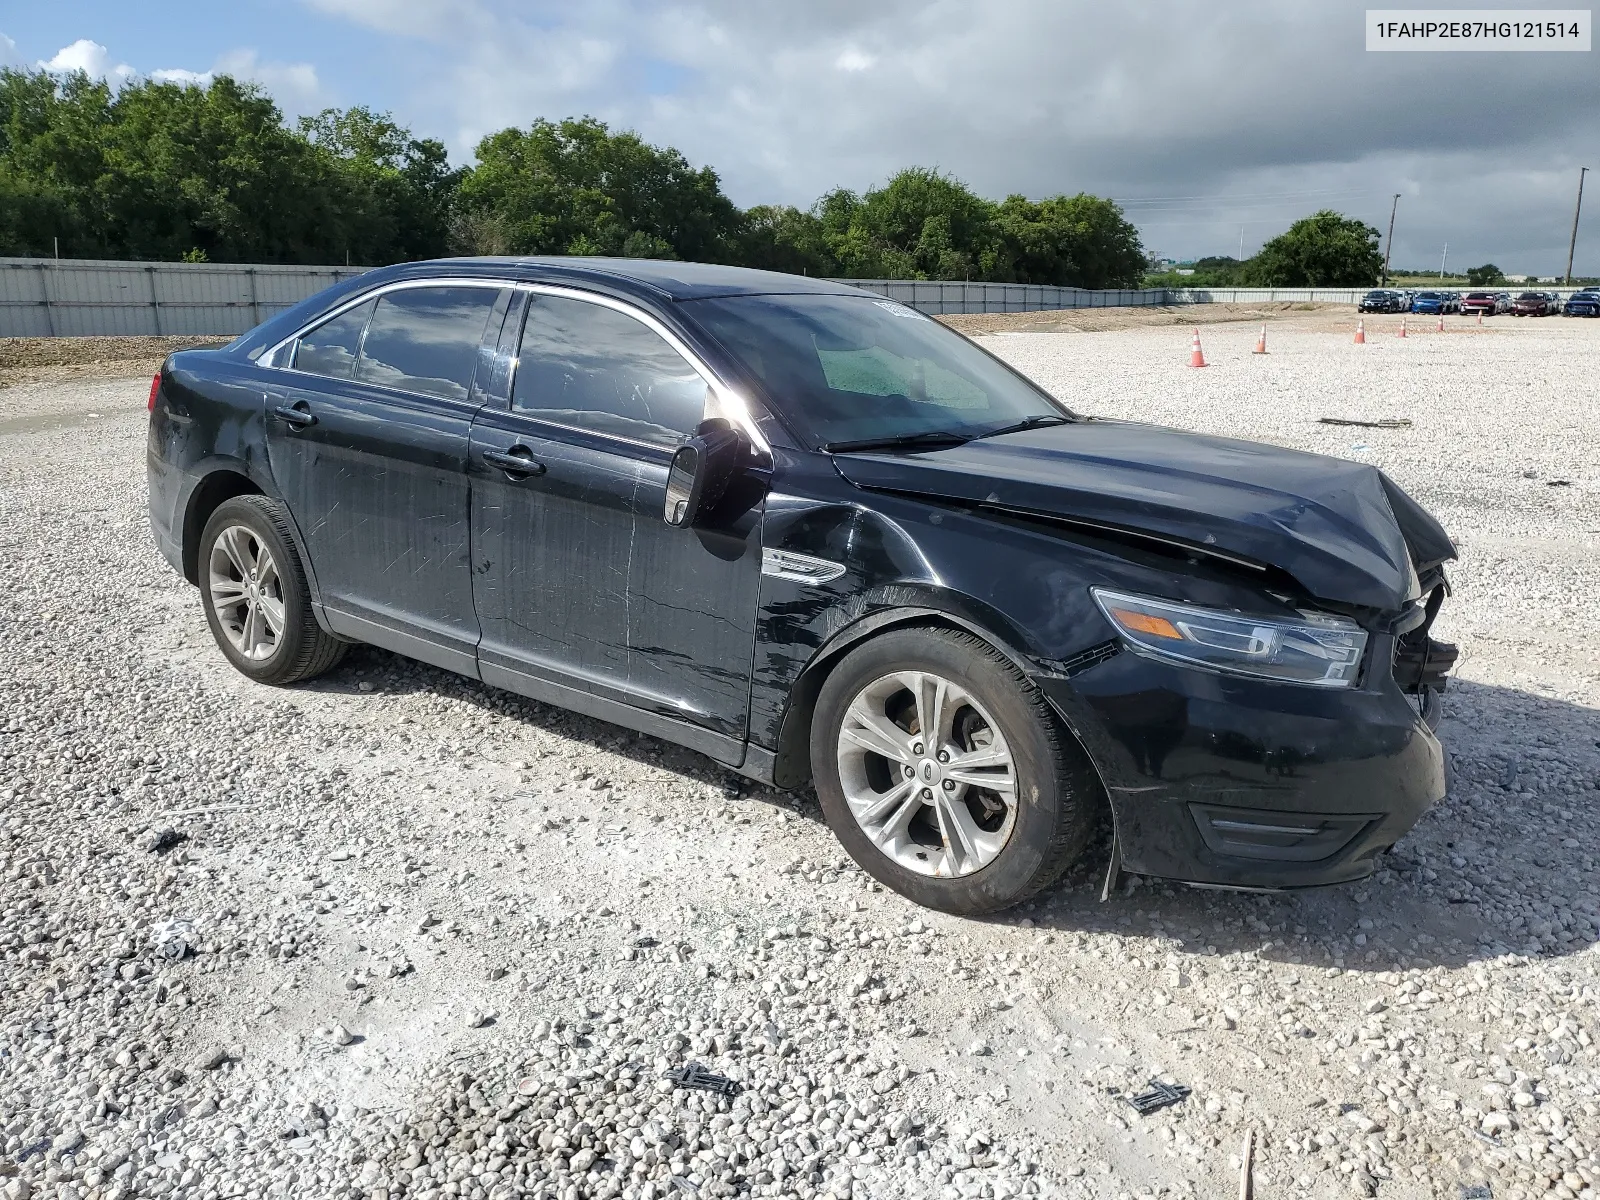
x=1344, y=530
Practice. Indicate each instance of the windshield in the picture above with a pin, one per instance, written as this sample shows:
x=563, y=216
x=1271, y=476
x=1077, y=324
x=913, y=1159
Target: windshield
x=852, y=368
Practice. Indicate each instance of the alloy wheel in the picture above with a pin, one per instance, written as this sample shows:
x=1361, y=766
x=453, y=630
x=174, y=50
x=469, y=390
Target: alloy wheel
x=246, y=592
x=927, y=774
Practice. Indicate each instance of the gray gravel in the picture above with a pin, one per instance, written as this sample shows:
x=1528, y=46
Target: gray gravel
x=408, y=936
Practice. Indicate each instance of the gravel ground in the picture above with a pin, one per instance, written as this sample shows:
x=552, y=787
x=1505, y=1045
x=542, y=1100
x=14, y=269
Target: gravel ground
x=408, y=936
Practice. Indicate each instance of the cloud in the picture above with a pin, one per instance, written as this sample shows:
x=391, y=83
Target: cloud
x=180, y=76
x=443, y=19
x=1204, y=117
x=9, y=55
x=91, y=58
x=295, y=86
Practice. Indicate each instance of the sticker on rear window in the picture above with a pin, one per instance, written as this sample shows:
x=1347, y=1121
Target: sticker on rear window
x=899, y=310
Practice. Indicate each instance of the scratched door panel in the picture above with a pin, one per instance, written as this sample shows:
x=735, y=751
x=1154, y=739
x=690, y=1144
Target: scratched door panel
x=549, y=574
x=580, y=580
x=378, y=489
x=694, y=594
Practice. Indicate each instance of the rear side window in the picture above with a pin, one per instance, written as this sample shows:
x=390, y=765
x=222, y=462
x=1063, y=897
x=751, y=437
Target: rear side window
x=426, y=339
x=592, y=367
x=331, y=348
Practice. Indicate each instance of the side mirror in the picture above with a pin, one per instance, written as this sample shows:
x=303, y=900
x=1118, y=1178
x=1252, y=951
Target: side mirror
x=700, y=473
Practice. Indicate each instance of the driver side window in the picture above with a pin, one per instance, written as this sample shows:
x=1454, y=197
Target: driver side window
x=592, y=367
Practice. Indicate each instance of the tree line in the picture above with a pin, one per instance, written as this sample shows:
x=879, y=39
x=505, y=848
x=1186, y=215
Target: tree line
x=165, y=171
x=1322, y=250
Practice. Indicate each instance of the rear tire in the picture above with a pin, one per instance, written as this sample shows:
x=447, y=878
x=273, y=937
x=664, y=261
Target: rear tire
x=976, y=819
x=253, y=588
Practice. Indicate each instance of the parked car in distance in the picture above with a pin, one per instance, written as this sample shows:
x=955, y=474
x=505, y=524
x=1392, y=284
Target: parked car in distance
x=1431, y=302
x=1381, y=300
x=1585, y=302
x=1536, y=304
x=1487, y=303
x=822, y=538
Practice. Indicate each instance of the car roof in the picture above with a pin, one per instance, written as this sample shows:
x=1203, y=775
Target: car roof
x=669, y=279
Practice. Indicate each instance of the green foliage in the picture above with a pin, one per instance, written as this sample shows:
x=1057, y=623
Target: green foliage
x=574, y=187
x=160, y=170
x=1322, y=250
x=1080, y=241
x=783, y=238
x=923, y=224
x=213, y=174
x=1485, y=275
x=394, y=192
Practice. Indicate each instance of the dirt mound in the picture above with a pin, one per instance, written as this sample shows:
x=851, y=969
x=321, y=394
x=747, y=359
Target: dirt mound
x=37, y=359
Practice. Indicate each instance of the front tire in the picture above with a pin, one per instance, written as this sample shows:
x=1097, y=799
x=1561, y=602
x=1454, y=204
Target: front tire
x=254, y=592
x=978, y=817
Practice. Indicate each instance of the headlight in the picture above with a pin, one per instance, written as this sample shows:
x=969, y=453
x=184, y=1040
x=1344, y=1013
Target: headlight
x=1317, y=651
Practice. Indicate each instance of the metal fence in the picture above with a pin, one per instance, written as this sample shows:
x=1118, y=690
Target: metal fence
x=935, y=297
x=46, y=297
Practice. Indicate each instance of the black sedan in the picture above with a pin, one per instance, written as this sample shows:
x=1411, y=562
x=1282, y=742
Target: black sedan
x=1383, y=301
x=823, y=539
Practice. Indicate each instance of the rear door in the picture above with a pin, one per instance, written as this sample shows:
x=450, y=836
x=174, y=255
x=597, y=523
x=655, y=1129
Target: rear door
x=580, y=582
x=367, y=435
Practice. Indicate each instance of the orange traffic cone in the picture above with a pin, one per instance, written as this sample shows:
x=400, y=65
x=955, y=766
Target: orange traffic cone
x=1261, y=343
x=1441, y=322
x=1196, y=359
x=1361, y=333
x=1402, y=332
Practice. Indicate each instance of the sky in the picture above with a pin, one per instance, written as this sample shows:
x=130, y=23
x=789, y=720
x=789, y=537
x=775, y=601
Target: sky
x=1207, y=121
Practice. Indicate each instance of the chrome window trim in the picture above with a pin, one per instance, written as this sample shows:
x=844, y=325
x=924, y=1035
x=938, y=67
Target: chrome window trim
x=733, y=405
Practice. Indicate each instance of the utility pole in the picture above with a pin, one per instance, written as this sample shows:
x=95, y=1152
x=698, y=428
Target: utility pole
x=1388, y=249
x=1442, y=257
x=1572, y=246
x=1241, y=243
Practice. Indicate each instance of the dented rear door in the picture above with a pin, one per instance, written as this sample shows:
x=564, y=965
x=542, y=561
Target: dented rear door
x=367, y=435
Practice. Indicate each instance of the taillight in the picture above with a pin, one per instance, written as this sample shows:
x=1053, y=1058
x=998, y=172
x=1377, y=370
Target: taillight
x=155, y=388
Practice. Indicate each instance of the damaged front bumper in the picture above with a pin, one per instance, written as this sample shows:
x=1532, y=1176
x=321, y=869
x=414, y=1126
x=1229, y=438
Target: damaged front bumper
x=1236, y=782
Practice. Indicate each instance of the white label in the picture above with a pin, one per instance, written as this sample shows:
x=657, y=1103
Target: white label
x=899, y=310
x=1447, y=29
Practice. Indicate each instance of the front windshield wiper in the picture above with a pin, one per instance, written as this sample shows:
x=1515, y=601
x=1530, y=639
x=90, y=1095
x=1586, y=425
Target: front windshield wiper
x=926, y=439
x=1038, y=421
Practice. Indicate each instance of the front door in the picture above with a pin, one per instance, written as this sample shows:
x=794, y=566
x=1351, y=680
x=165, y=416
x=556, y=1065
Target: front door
x=579, y=580
x=367, y=436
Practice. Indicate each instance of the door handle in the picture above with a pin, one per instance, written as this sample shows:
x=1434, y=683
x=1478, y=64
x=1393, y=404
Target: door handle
x=518, y=460
x=298, y=415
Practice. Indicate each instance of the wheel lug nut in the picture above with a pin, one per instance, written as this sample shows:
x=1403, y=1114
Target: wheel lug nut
x=944, y=756
x=909, y=772
x=927, y=793
x=917, y=748
x=949, y=785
